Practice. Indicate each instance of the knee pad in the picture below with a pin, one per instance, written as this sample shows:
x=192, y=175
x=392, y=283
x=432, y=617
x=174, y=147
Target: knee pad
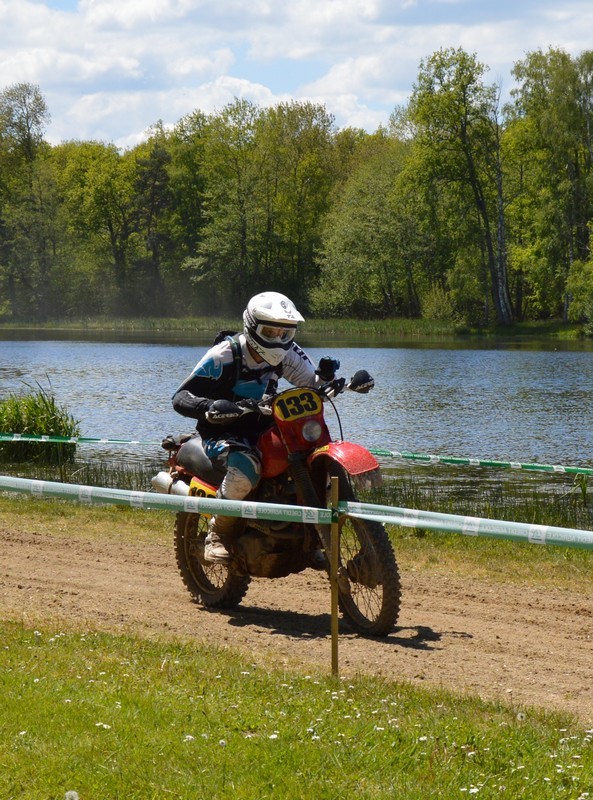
x=236, y=484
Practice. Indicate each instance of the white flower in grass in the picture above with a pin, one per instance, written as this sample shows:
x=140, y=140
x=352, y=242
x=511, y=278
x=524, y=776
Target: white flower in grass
x=222, y=743
x=189, y=737
x=273, y=736
x=71, y=796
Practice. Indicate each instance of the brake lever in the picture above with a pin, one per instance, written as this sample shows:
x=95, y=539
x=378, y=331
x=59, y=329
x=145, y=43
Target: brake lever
x=333, y=388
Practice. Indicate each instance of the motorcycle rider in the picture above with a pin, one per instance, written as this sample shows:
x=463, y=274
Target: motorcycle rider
x=223, y=390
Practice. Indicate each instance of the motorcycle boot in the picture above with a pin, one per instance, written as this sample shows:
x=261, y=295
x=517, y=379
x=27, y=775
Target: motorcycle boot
x=218, y=543
x=222, y=532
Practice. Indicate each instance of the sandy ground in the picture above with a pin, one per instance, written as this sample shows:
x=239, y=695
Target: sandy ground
x=524, y=646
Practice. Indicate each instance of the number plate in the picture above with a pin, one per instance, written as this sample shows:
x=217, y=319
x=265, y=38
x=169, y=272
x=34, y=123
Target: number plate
x=198, y=488
x=297, y=403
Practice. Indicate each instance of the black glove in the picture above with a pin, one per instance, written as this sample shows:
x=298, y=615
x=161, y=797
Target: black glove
x=249, y=404
x=328, y=366
x=222, y=411
x=361, y=382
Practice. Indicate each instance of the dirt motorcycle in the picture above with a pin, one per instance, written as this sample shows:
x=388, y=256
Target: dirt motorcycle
x=299, y=458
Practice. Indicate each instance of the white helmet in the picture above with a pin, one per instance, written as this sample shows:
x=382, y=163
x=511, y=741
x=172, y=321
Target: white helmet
x=270, y=322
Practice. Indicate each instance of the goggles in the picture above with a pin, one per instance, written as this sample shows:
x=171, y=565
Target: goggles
x=272, y=334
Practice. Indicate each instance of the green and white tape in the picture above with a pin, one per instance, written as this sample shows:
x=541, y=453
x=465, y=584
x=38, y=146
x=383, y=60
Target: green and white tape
x=40, y=437
x=168, y=502
x=423, y=458
x=407, y=517
x=427, y=458
x=470, y=526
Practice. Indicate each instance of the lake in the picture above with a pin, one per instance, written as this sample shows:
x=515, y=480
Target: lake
x=499, y=402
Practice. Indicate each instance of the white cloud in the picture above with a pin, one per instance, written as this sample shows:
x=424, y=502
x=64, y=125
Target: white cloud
x=218, y=63
x=112, y=68
x=131, y=13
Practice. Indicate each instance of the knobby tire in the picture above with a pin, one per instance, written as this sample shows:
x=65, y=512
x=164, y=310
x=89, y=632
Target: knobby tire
x=211, y=585
x=369, y=586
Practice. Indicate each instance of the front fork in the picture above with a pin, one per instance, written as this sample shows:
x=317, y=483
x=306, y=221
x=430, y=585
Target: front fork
x=309, y=495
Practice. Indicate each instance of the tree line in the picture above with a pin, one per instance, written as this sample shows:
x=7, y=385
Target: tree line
x=461, y=208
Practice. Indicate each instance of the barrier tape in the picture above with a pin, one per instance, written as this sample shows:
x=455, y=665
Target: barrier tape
x=426, y=458
x=151, y=501
x=470, y=526
x=406, y=517
x=39, y=437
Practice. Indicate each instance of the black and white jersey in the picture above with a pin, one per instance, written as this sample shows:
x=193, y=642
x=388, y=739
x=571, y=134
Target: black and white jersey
x=217, y=377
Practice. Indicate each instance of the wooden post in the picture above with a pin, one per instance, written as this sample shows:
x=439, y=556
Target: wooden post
x=333, y=572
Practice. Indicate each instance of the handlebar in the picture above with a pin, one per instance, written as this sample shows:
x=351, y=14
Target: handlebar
x=361, y=383
x=227, y=411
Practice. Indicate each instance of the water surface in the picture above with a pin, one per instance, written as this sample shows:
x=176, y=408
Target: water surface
x=497, y=403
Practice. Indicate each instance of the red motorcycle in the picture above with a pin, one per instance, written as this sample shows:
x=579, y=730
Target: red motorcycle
x=299, y=458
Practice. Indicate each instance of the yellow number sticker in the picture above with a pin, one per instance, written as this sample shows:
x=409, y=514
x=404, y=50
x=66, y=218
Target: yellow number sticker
x=199, y=489
x=297, y=403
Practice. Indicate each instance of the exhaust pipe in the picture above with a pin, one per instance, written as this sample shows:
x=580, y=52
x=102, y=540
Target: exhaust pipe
x=165, y=483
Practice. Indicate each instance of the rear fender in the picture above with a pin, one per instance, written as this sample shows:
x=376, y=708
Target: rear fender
x=355, y=459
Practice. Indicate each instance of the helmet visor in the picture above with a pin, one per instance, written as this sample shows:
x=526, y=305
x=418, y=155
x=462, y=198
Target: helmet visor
x=274, y=335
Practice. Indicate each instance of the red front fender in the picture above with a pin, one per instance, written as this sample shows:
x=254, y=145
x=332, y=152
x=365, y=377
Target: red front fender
x=355, y=459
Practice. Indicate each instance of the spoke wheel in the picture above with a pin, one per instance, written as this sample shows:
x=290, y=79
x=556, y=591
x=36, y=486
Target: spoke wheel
x=369, y=587
x=212, y=585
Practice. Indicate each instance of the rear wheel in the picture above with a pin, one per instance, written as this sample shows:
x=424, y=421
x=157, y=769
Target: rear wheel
x=369, y=587
x=212, y=585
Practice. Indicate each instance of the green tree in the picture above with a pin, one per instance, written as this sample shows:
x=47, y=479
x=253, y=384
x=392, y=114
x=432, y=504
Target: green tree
x=98, y=185
x=370, y=240
x=268, y=176
x=28, y=204
x=552, y=125
x=458, y=144
x=24, y=117
x=152, y=220
x=295, y=141
x=222, y=266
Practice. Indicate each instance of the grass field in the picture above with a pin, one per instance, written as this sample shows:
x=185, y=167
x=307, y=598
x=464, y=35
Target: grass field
x=120, y=717
x=396, y=328
x=104, y=716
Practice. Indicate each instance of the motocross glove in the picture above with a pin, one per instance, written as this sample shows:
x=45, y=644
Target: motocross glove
x=248, y=405
x=222, y=411
x=251, y=405
x=361, y=382
x=328, y=366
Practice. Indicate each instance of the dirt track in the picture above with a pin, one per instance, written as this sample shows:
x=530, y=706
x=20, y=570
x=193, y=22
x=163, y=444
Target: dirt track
x=521, y=645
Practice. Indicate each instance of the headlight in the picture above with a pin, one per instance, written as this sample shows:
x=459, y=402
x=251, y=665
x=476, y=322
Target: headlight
x=311, y=430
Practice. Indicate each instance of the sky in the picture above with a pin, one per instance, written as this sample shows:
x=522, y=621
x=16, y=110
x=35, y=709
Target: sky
x=109, y=69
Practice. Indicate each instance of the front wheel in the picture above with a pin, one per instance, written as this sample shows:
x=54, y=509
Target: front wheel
x=212, y=585
x=369, y=587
